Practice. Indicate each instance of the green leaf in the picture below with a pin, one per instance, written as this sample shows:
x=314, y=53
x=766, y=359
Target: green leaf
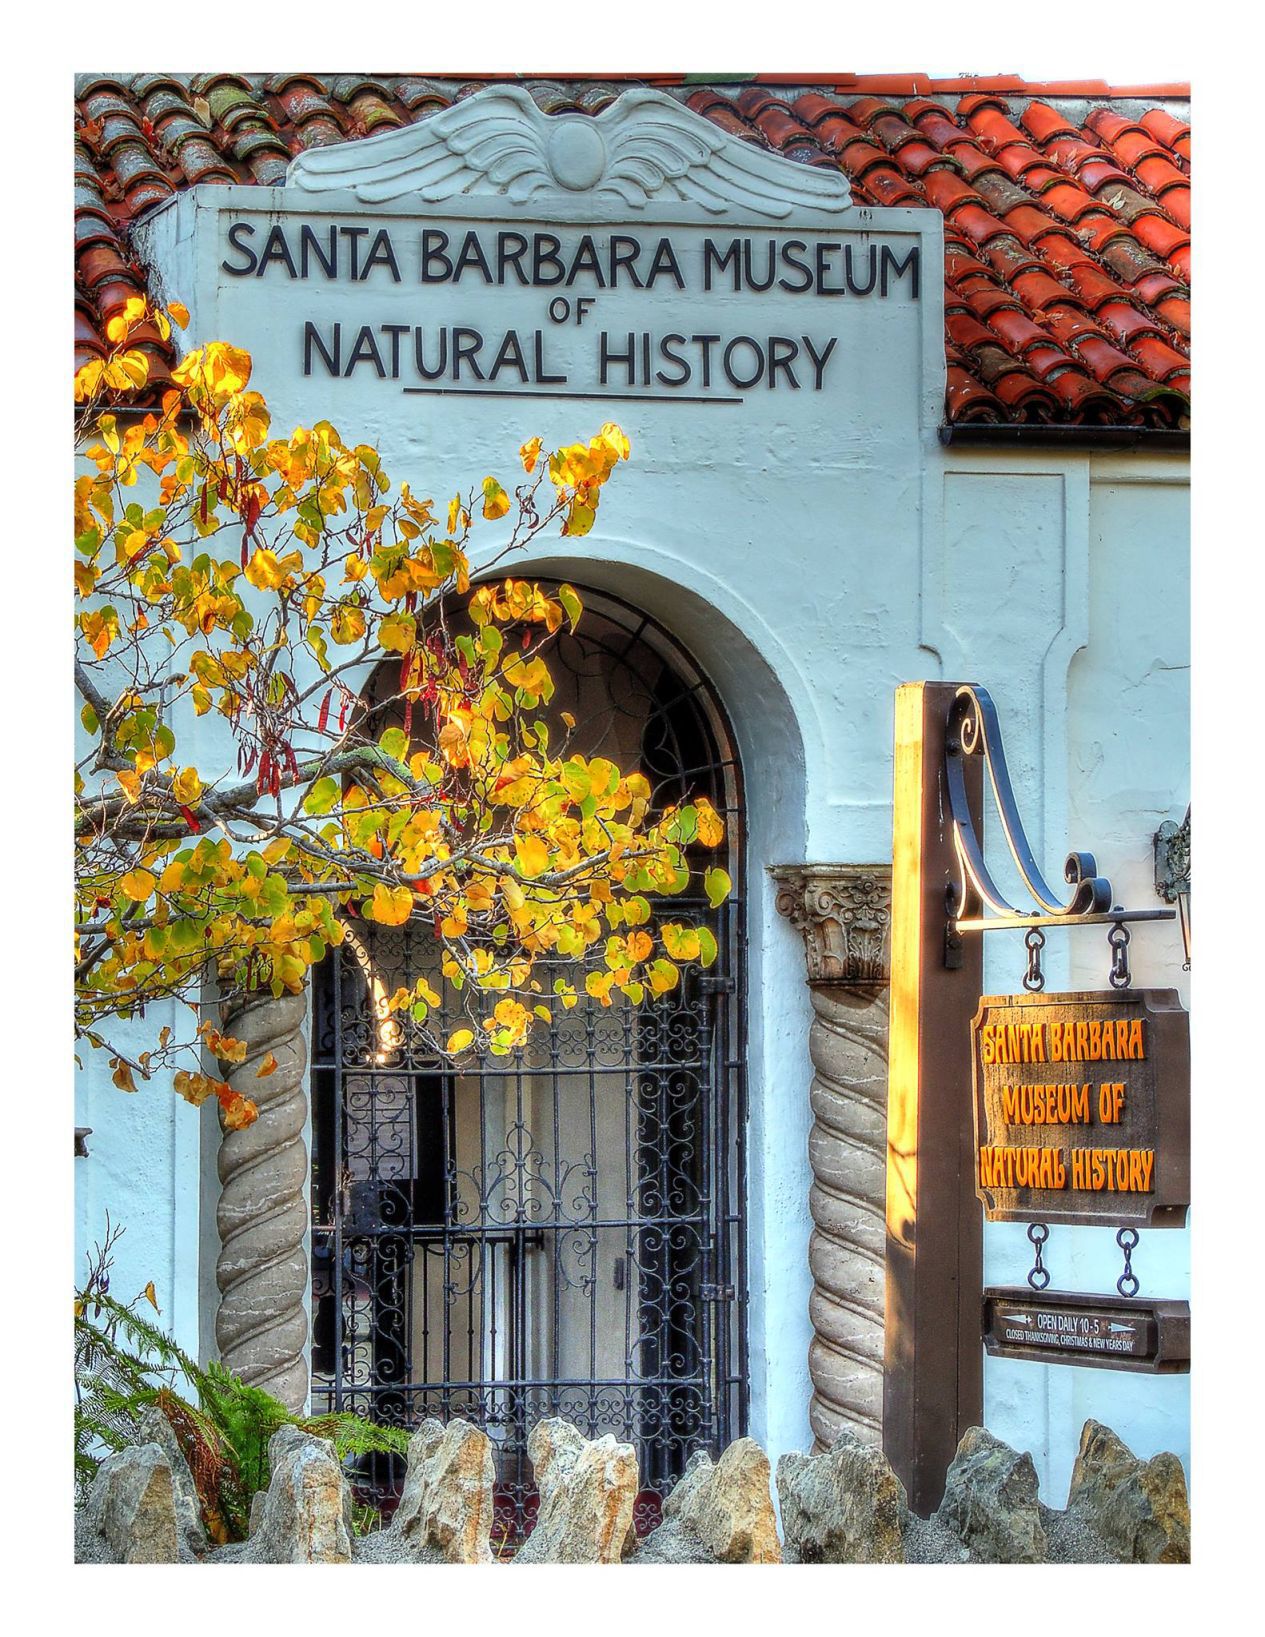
x=684, y=826
x=394, y=743
x=322, y=797
x=572, y=604
x=89, y=719
x=717, y=886
x=708, y=947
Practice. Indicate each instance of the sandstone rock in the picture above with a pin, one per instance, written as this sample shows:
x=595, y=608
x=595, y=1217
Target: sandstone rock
x=718, y=1513
x=305, y=1516
x=154, y=1428
x=130, y=1512
x=445, y=1512
x=1139, y=1508
x=669, y=1543
x=990, y=1501
x=587, y=1491
x=845, y=1506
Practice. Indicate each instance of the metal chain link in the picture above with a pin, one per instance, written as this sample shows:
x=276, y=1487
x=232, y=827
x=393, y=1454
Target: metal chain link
x=1039, y=1277
x=1119, y=977
x=1034, y=977
x=1127, y=1284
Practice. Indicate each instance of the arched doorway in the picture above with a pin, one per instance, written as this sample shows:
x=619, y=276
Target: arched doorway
x=560, y=1233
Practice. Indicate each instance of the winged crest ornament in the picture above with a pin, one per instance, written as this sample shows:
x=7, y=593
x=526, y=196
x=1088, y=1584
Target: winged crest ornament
x=644, y=149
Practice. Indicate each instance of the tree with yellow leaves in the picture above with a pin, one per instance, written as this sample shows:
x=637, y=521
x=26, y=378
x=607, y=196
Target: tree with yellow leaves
x=233, y=591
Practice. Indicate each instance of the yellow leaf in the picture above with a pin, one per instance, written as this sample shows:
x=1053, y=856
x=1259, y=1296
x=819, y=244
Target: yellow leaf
x=186, y=787
x=615, y=437
x=267, y=1067
x=194, y=1088
x=598, y=984
x=579, y=519
x=682, y=943
x=533, y=856
x=495, y=501
x=238, y=1111
x=663, y=976
x=398, y=633
x=179, y=312
x=711, y=827
x=392, y=906
x=151, y=1296
x=459, y=1040
x=529, y=454
x=347, y=625
x=130, y=784
x=137, y=885
x=640, y=945
x=479, y=895
x=122, y=1077
x=265, y=571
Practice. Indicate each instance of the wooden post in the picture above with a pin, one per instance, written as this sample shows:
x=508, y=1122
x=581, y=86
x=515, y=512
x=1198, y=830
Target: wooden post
x=933, y=1357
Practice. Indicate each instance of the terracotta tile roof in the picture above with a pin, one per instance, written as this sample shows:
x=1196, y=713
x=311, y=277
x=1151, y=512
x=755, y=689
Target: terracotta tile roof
x=1066, y=207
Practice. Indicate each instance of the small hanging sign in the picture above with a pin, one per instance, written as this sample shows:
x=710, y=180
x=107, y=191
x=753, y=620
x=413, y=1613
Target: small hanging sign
x=1059, y=1327
x=1082, y=1108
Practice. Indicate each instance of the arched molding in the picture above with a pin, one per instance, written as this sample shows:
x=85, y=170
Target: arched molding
x=764, y=690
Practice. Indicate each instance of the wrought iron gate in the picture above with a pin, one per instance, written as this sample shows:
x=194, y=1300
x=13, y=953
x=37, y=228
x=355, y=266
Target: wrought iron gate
x=559, y=1233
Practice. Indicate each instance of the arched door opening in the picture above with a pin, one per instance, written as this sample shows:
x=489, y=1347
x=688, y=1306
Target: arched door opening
x=560, y=1232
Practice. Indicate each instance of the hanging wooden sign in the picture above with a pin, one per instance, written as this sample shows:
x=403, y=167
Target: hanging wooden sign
x=1082, y=1108
x=1107, y=1332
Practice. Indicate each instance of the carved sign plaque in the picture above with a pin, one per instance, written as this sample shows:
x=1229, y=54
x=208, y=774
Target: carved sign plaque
x=1108, y=1332
x=1082, y=1108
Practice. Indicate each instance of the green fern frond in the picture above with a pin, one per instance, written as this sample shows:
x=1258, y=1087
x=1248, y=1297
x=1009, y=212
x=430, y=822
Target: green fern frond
x=124, y=1364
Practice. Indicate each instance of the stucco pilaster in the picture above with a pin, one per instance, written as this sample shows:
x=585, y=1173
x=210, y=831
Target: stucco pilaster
x=843, y=911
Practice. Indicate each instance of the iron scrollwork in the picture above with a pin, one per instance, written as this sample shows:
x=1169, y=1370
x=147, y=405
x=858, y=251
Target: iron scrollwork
x=973, y=730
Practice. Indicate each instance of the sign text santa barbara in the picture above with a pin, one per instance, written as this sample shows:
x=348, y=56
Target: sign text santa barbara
x=577, y=274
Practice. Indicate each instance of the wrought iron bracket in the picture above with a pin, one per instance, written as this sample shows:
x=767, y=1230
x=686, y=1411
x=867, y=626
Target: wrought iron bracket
x=975, y=902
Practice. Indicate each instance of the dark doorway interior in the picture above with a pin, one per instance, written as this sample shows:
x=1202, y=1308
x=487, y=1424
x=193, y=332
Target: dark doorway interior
x=558, y=1233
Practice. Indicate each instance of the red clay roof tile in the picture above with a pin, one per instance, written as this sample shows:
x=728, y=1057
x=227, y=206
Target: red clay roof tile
x=1027, y=223
x=1175, y=311
x=967, y=399
x=1051, y=213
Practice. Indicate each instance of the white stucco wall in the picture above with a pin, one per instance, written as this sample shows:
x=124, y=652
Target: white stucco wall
x=812, y=551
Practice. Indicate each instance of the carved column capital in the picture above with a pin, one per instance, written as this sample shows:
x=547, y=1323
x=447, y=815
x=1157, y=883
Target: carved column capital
x=844, y=912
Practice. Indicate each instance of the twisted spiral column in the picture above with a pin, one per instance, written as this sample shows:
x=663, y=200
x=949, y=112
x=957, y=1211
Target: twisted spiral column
x=261, y=1327
x=843, y=910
